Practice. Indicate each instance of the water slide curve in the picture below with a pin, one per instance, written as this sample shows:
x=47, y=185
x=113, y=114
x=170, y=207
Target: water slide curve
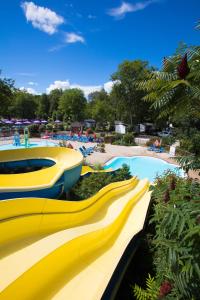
x=52, y=249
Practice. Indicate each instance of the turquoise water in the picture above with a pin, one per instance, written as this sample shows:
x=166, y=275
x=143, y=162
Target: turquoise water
x=144, y=167
x=34, y=144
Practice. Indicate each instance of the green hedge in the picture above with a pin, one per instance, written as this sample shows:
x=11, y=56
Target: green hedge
x=90, y=185
x=127, y=139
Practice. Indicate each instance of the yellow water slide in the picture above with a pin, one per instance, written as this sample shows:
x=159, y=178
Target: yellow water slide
x=57, y=250
x=56, y=170
x=52, y=249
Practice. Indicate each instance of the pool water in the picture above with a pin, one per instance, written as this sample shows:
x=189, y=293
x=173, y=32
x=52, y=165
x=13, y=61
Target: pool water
x=31, y=145
x=144, y=167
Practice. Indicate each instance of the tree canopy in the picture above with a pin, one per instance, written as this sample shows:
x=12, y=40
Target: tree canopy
x=73, y=103
x=128, y=97
x=6, y=93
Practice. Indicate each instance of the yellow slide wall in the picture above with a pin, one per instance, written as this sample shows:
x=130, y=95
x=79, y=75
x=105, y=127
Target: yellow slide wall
x=50, y=249
x=26, y=218
x=38, y=282
x=64, y=158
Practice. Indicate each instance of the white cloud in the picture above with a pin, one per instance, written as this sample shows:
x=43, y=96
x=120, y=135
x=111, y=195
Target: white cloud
x=72, y=37
x=108, y=86
x=87, y=89
x=41, y=17
x=125, y=7
x=29, y=90
x=58, y=84
x=32, y=83
x=64, y=85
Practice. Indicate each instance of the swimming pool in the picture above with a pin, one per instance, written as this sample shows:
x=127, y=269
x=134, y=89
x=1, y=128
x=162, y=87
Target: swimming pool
x=143, y=166
x=31, y=145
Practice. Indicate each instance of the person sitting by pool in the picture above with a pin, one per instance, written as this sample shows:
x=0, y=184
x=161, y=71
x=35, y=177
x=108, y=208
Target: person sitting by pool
x=157, y=143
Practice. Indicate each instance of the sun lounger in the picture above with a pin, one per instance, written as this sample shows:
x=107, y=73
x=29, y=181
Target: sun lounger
x=89, y=149
x=83, y=152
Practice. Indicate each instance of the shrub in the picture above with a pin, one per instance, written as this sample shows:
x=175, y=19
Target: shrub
x=168, y=140
x=118, y=142
x=186, y=144
x=130, y=128
x=33, y=129
x=59, y=127
x=175, y=242
x=191, y=144
x=190, y=160
x=90, y=185
x=109, y=139
x=102, y=134
x=100, y=148
x=122, y=173
x=118, y=136
x=49, y=127
x=125, y=140
x=128, y=139
x=98, y=167
x=42, y=128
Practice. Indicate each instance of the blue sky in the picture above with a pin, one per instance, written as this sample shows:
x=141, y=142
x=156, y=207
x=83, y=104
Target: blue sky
x=46, y=44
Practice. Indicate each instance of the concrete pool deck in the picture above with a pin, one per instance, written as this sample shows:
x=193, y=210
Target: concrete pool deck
x=112, y=151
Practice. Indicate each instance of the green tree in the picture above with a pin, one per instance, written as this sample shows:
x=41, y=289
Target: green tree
x=43, y=106
x=54, y=98
x=99, y=107
x=73, y=103
x=24, y=105
x=6, y=95
x=125, y=92
x=174, y=91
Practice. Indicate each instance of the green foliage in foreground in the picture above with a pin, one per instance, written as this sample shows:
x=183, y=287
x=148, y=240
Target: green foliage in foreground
x=176, y=239
x=90, y=185
x=151, y=291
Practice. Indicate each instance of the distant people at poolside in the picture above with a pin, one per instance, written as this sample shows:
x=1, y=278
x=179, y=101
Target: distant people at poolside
x=70, y=146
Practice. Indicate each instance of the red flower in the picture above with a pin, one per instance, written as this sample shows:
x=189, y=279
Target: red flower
x=165, y=289
x=183, y=68
x=173, y=183
x=166, y=196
